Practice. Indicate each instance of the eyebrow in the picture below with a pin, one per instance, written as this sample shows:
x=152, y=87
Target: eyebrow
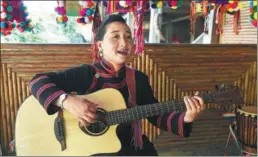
x=128, y=31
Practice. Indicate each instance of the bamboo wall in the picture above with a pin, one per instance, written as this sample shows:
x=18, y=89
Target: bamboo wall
x=174, y=71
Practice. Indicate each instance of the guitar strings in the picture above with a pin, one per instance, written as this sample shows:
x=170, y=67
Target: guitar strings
x=114, y=117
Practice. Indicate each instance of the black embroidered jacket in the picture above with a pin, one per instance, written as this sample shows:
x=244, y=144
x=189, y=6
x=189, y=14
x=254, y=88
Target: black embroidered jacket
x=47, y=87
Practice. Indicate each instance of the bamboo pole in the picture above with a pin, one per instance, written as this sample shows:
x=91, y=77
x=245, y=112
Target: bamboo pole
x=19, y=89
x=147, y=71
x=23, y=90
x=143, y=61
x=156, y=80
x=159, y=92
x=27, y=90
x=135, y=63
x=253, y=84
x=246, y=87
x=151, y=77
x=249, y=85
x=167, y=88
x=139, y=67
x=7, y=103
x=151, y=72
x=155, y=85
x=163, y=88
x=175, y=91
x=11, y=97
x=171, y=89
x=15, y=92
x=4, y=126
x=147, y=65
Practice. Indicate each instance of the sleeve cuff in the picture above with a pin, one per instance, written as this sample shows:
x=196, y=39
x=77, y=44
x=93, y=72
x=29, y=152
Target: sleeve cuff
x=49, y=106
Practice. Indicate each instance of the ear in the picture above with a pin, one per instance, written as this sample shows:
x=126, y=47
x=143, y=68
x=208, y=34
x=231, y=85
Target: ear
x=99, y=43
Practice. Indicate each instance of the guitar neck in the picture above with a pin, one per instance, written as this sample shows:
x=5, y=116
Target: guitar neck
x=149, y=110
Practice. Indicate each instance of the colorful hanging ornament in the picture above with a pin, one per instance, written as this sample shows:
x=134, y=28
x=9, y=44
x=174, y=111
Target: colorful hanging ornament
x=253, y=13
x=61, y=11
x=125, y=3
x=86, y=12
x=125, y=6
x=155, y=4
x=24, y=23
x=174, y=4
x=96, y=24
x=111, y=6
x=198, y=6
x=14, y=14
x=138, y=15
x=6, y=25
x=233, y=6
x=192, y=16
x=220, y=16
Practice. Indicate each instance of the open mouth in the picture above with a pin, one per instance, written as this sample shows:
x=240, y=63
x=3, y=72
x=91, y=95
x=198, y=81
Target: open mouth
x=122, y=52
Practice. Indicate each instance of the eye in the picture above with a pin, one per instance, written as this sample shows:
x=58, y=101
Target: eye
x=116, y=36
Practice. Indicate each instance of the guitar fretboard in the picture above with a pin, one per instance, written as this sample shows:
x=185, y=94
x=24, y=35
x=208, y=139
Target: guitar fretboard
x=149, y=110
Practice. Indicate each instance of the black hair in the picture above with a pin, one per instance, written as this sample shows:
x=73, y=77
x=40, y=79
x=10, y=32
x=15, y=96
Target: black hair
x=108, y=20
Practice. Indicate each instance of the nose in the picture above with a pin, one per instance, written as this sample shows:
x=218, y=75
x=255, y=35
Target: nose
x=123, y=42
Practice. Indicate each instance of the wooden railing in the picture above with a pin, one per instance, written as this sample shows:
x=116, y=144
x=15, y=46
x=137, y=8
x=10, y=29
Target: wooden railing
x=174, y=71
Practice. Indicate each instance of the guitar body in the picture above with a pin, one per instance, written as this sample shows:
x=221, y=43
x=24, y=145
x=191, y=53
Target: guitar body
x=34, y=130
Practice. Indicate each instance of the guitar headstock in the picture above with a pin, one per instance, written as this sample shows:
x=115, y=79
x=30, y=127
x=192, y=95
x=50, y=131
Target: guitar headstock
x=226, y=95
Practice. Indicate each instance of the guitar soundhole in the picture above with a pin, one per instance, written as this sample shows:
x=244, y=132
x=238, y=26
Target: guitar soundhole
x=99, y=127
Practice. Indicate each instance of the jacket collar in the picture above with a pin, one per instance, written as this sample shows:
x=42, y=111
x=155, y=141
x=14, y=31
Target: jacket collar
x=109, y=68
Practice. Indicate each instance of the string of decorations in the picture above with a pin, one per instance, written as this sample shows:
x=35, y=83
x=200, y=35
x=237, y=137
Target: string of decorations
x=87, y=10
x=151, y=4
x=6, y=16
x=14, y=14
x=61, y=12
x=174, y=4
x=253, y=13
x=231, y=7
x=200, y=8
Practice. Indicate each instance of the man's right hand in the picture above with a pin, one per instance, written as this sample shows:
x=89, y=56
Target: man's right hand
x=82, y=108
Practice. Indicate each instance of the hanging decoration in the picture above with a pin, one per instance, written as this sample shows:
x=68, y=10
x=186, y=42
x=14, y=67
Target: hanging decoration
x=253, y=13
x=96, y=24
x=111, y=6
x=200, y=8
x=192, y=16
x=156, y=4
x=21, y=17
x=6, y=16
x=86, y=11
x=232, y=8
x=61, y=11
x=220, y=19
x=138, y=26
x=125, y=6
x=14, y=14
x=174, y=4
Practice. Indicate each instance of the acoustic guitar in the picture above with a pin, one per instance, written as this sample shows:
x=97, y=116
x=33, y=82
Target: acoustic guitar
x=39, y=134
